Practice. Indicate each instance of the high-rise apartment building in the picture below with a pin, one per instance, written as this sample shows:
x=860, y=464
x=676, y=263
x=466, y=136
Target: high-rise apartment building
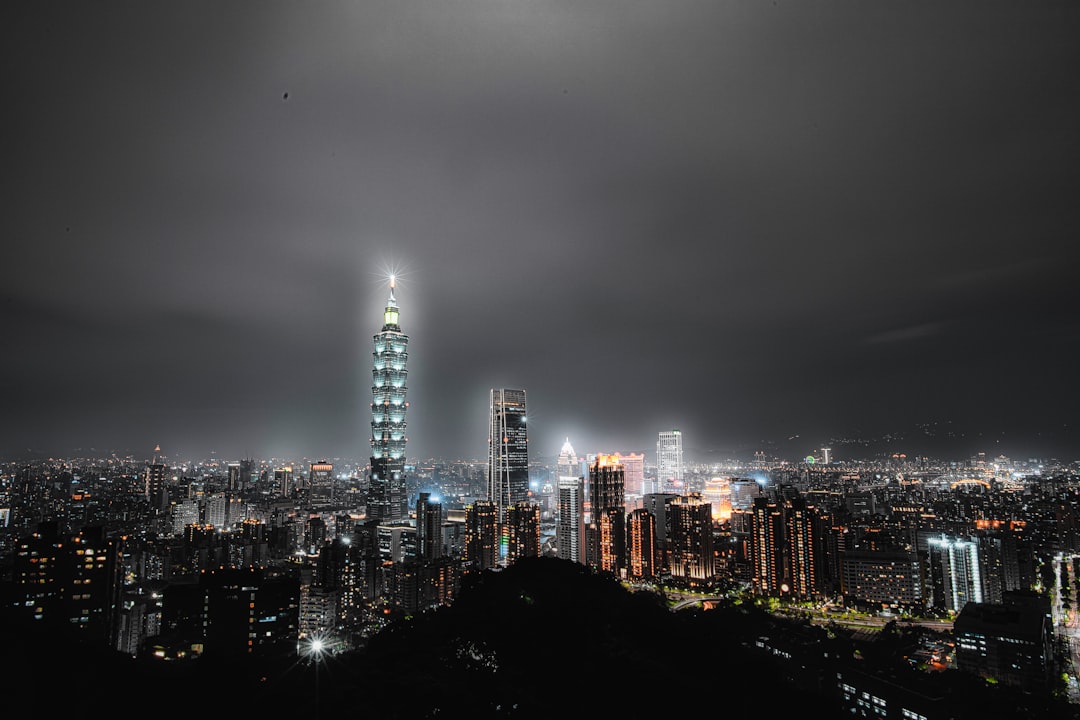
x=508, y=450
x=788, y=540
x=481, y=535
x=156, y=484
x=657, y=504
x=521, y=532
x=641, y=546
x=955, y=572
x=800, y=536
x=607, y=516
x=769, y=574
x=691, y=542
x=387, y=498
x=429, y=521
x=71, y=580
x=669, y=461
x=570, y=506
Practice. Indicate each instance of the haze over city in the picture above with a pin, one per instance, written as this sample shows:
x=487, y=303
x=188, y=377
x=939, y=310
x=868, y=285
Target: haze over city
x=771, y=225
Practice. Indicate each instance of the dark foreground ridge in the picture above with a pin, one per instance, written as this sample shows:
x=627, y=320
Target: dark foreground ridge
x=540, y=639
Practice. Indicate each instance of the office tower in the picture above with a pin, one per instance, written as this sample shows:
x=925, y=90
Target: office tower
x=692, y=561
x=233, y=476
x=881, y=577
x=607, y=523
x=283, y=481
x=247, y=473
x=481, y=535
x=320, y=483
x=429, y=522
x=641, y=546
x=633, y=471
x=396, y=543
x=669, y=460
x=570, y=506
x=955, y=572
x=567, y=464
x=521, y=532
x=387, y=498
x=508, y=450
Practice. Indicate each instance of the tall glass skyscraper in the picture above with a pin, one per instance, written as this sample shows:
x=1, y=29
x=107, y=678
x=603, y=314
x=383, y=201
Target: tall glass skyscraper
x=508, y=450
x=387, y=498
x=669, y=461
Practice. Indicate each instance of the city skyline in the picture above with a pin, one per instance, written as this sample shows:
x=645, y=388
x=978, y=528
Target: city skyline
x=774, y=227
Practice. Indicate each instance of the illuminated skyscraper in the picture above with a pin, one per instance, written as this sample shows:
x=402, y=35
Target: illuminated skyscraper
x=283, y=481
x=769, y=577
x=787, y=541
x=641, y=546
x=508, y=450
x=481, y=535
x=387, y=498
x=955, y=572
x=522, y=529
x=634, y=471
x=320, y=483
x=156, y=481
x=570, y=529
x=692, y=560
x=669, y=460
x=429, y=520
x=607, y=516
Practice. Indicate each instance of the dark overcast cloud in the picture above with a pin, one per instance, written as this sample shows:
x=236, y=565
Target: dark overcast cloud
x=749, y=220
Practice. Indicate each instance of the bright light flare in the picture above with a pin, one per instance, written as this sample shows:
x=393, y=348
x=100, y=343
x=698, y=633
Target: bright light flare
x=316, y=647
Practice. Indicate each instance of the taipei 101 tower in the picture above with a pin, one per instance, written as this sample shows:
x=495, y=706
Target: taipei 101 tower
x=387, y=498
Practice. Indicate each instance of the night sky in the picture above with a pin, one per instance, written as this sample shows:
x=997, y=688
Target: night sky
x=758, y=222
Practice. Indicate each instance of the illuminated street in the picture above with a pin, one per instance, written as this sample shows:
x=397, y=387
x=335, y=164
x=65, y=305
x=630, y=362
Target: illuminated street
x=1065, y=620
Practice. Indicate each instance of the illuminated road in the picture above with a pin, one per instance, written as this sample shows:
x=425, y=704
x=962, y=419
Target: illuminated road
x=1066, y=623
x=869, y=623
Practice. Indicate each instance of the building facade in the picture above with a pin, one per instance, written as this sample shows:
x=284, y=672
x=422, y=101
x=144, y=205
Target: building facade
x=508, y=450
x=641, y=546
x=607, y=516
x=387, y=498
x=692, y=560
x=669, y=461
x=570, y=506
